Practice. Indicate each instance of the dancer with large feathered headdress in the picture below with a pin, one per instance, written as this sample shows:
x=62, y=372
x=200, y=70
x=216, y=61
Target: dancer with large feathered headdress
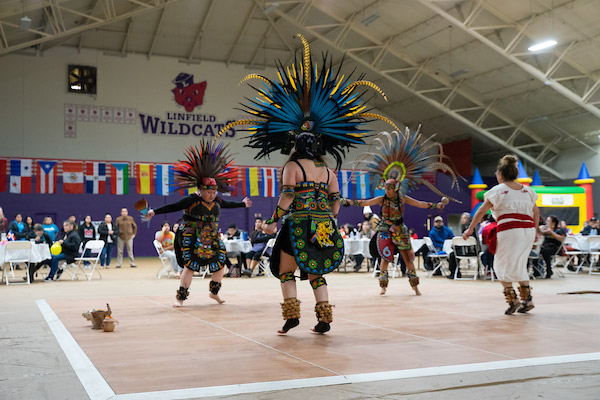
x=399, y=166
x=311, y=113
x=197, y=242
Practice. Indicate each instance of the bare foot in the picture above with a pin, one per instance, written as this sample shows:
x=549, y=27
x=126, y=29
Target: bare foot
x=178, y=304
x=383, y=290
x=216, y=298
x=416, y=289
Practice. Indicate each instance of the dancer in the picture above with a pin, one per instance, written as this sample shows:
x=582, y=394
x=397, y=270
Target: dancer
x=399, y=167
x=197, y=241
x=513, y=206
x=312, y=114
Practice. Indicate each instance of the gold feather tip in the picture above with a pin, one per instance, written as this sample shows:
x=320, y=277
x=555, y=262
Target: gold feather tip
x=236, y=123
x=306, y=59
x=365, y=83
x=379, y=117
x=254, y=76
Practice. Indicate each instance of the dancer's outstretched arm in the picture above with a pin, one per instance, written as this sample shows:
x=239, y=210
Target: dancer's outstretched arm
x=426, y=204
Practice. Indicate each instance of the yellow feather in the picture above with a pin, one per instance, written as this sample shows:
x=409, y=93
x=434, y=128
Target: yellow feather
x=254, y=76
x=306, y=60
x=237, y=123
x=379, y=117
x=337, y=86
x=365, y=83
x=325, y=80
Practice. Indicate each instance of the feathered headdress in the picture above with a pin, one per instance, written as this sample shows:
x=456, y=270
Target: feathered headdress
x=303, y=99
x=207, y=166
x=406, y=157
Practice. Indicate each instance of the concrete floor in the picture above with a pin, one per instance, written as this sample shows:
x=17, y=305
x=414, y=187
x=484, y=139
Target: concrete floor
x=33, y=365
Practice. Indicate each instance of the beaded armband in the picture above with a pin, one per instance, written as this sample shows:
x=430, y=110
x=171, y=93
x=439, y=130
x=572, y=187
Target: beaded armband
x=288, y=190
x=277, y=214
x=432, y=205
x=335, y=197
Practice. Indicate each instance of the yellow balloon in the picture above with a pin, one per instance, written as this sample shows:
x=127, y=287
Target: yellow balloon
x=56, y=249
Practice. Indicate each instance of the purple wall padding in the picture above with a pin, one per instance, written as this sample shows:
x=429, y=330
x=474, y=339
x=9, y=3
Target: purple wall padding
x=61, y=205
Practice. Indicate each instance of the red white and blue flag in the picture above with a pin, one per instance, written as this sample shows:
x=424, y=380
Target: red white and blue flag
x=46, y=177
x=269, y=182
x=20, y=176
x=345, y=183
x=95, y=177
x=10, y=236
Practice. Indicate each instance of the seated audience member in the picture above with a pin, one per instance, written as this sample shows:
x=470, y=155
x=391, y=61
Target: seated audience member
x=367, y=213
x=438, y=234
x=70, y=242
x=366, y=231
x=3, y=222
x=258, y=246
x=28, y=226
x=553, y=238
x=167, y=240
x=591, y=228
x=233, y=233
x=413, y=234
x=39, y=237
x=257, y=229
x=563, y=226
x=488, y=238
x=73, y=219
x=87, y=232
x=17, y=227
x=108, y=234
x=50, y=228
x=465, y=221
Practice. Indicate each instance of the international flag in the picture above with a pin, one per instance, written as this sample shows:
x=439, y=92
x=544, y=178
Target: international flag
x=46, y=177
x=73, y=177
x=234, y=183
x=95, y=177
x=165, y=179
x=10, y=236
x=269, y=182
x=345, y=183
x=2, y=176
x=378, y=192
x=250, y=182
x=119, y=178
x=20, y=176
x=363, y=190
x=191, y=190
x=145, y=175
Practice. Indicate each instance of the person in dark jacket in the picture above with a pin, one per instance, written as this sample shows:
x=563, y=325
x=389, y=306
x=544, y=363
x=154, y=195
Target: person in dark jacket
x=28, y=227
x=17, y=227
x=108, y=233
x=87, y=232
x=39, y=237
x=70, y=249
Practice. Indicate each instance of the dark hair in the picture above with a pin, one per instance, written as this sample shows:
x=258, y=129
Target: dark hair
x=107, y=214
x=508, y=167
x=73, y=215
x=165, y=223
x=554, y=219
x=69, y=223
x=258, y=219
x=234, y=226
x=38, y=227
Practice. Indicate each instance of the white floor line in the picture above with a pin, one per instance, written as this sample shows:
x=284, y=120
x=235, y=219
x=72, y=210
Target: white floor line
x=98, y=389
x=93, y=382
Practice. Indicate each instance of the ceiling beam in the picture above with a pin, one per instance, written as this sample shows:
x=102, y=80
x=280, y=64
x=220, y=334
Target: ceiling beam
x=201, y=29
x=241, y=34
x=472, y=125
x=156, y=32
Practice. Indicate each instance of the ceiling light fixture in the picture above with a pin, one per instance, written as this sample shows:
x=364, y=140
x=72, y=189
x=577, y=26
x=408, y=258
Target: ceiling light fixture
x=458, y=73
x=370, y=19
x=25, y=23
x=546, y=44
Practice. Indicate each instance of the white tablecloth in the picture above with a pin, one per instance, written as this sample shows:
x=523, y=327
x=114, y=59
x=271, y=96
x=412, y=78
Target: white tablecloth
x=39, y=252
x=242, y=246
x=357, y=246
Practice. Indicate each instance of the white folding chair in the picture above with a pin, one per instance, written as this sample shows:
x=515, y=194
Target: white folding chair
x=594, y=246
x=439, y=258
x=94, y=247
x=534, y=255
x=17, y=252
x=461, y=247
x=580, y=249
x=264, y=263
x=555, y=260
x=166, y=264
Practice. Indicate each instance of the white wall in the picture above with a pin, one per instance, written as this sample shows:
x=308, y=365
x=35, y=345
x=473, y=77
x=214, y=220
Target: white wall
x=569, y=162
x=33, y=94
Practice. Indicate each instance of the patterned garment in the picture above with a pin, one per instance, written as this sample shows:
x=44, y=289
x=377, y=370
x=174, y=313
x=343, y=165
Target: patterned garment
x=314, y=239
x=392, y=234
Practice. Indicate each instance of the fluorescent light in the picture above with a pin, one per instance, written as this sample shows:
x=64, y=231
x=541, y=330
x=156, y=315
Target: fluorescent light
x=458, y=73
x=543, y=45
x=25, y=23
x=270, y=8
x=370, y=19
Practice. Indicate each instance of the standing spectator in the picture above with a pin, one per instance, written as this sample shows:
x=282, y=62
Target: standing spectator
x=108, y=233
x=127, y=229
x=553, y=238
x=3, y=222
x=70, y=242
x=28, y=226
x=50, y=228
x=38, y=236
x=17, y=227
x=258, y=245
x=87, y=232
x=73, y=219
x=167, y=241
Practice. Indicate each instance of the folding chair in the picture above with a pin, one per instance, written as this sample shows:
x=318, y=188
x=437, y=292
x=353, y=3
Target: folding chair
x=581, y=250
x=94, y=247
x=555, y=261
x=17, y=252
x=534, y=256
x=594, y=245
x=439, y=258
x=166, y=264
x=463, y=250
x=264, y=262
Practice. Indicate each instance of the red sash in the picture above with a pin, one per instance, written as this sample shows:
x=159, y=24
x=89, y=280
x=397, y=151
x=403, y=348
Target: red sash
x=523, y=221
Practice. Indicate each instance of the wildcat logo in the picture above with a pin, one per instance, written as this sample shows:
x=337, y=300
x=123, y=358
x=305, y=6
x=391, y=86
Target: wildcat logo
x=187, y=93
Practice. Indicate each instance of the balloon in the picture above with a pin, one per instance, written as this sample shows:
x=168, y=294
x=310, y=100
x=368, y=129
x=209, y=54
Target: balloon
x=56, y=249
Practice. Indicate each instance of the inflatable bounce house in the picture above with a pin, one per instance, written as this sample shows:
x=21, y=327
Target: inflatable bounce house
x=572, y=204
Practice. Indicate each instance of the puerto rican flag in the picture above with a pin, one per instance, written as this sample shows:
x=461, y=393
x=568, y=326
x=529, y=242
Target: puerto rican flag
x=46, y=177
x=165, y=179
x=20, y=176
x=95, y=177
x=73, y=176
x=269, y=182
x=345, y=183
